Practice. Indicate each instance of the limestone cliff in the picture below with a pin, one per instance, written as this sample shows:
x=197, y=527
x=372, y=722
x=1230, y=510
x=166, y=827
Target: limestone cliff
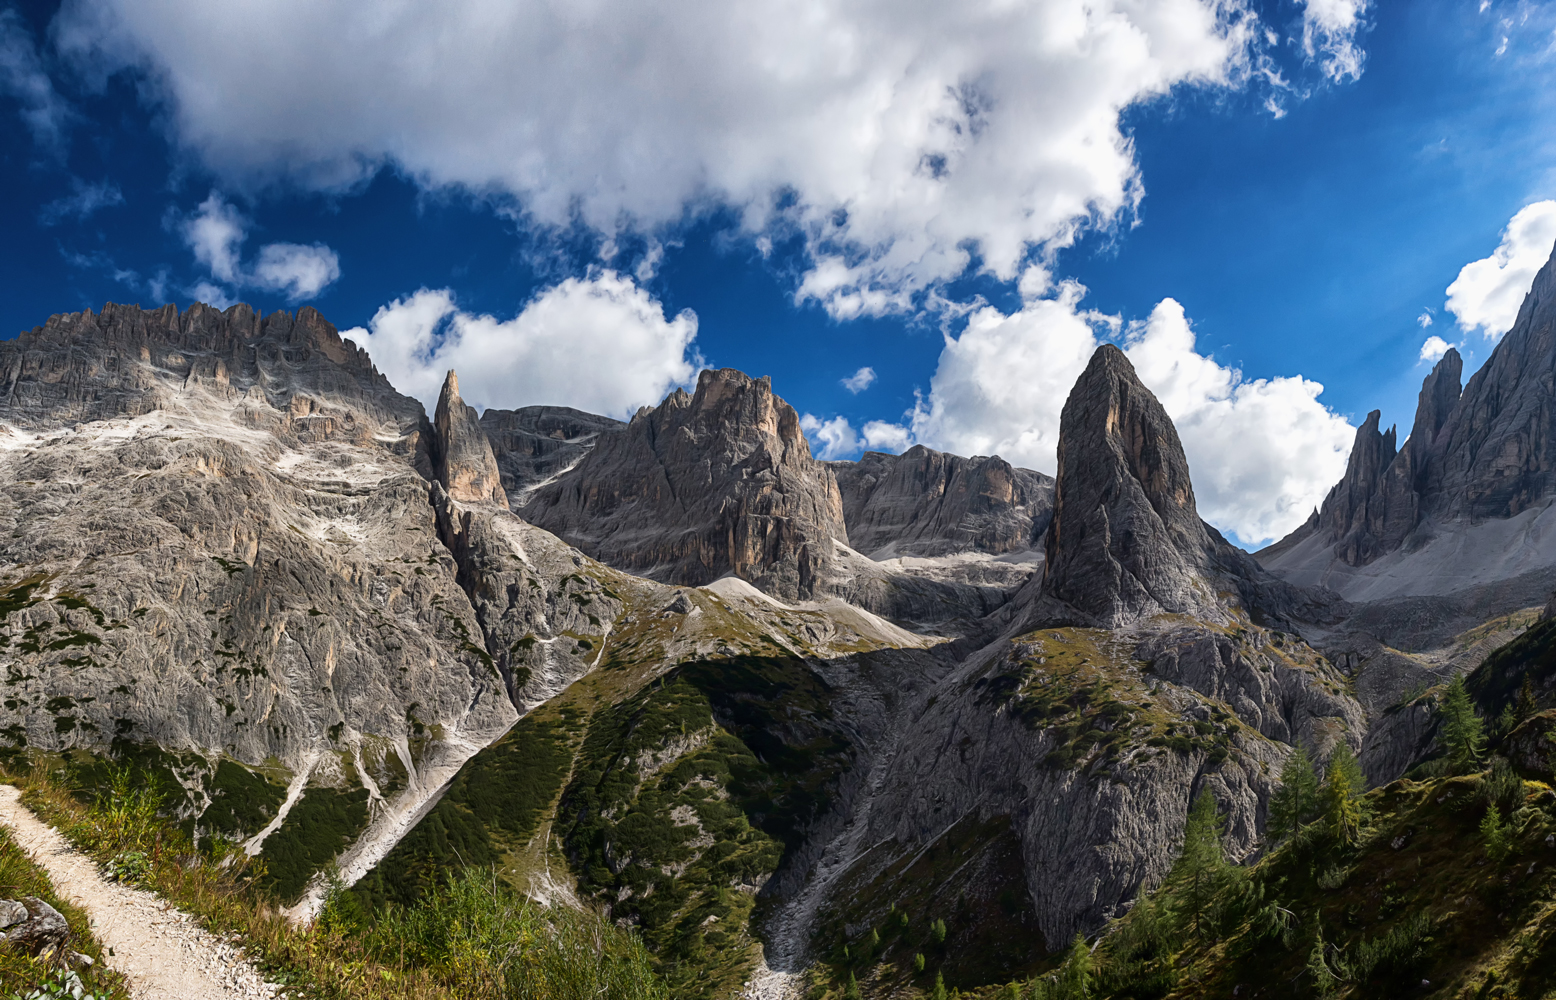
x=928, y=503
x=708, y=483
x=535, y=444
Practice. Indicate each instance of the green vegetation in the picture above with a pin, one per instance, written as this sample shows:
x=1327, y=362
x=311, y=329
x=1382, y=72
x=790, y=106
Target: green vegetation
x=497, y=800
x=471, y=937
x=319, y=826
x=685, y=797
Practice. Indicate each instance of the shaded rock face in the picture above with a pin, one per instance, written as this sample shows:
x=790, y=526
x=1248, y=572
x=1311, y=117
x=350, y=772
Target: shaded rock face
x=708, y=483
x=1126, y=541
x=535, y=444
x=463, y=459
x=928, y=503
x=1486, y=453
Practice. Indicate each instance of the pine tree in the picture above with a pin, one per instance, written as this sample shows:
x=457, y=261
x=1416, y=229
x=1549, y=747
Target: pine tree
x=1463, y=734
x=937, y=931
x=1324, y=980
x=1526, y=704
x=1342, y=809
x=1295, y=802
x=1200, y=871
x=1075, y=974
x=1494, y=833
x=851, y=991
x=938, y=993
x=918, y=962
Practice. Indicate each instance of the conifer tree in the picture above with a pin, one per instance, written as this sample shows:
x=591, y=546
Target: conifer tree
x=1342, y=792
x=1075, y=974
x=1526, y=704
x=938, y=993
x=1201, y=869
x=1295, y=802
x=851, y=991
x=1463, y=734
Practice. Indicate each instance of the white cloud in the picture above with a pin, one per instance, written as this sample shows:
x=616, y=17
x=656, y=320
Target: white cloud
x=600, y=344
x=1488, y=292
x=1262, y=452
x=830, y=439
x=1434, y=348
x=83, y=201
x=300, y=272
x=211, y=295
x=860, y=380
x=1329, y=30
x=890, y=137
x=22, y=77
x=1425, y=319
x=836, y=438
x=215, y=235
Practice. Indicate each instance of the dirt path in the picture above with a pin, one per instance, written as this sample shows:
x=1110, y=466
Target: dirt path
x=161, y=950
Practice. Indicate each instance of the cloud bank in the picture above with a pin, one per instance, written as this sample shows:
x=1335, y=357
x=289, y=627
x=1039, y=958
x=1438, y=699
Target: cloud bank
x=1487, y=293
x=1263, y=452
x=896, y=139
x=600, y=344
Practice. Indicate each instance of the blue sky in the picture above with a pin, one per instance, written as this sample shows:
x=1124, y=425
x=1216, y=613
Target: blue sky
x=581, y=209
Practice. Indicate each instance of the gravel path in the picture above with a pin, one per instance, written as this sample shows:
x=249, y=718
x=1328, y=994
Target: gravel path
x=162, y=951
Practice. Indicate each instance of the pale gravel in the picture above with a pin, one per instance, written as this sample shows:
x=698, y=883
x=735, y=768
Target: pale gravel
x=163, y=953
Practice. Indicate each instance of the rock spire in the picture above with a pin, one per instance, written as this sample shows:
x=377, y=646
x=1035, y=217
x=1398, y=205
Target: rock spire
x=463, y=457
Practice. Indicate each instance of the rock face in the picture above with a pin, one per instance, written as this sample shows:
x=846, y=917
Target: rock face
x=535, y=444
x=33, y=926
x=463, y=460
x=708, y=483
x=928, y=503
x=1126, y=541
x=1488, y=453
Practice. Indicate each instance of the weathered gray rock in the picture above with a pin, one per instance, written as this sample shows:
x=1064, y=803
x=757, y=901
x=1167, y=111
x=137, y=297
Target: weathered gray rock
x=463, y=457
x=928, y=503
x=41, y=928
x=535, y=444
x=708, y=483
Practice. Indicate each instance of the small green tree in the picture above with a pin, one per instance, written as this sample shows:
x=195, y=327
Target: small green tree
x=1075, y=975
x=1463, y=733
x=1324, y=979
x=851, y=990
x=874, y=943
x=1495, y=834
x=918, y=962
x=1526, y=705
x=1295, y=802
x=937, y=932
x=1342, y=794
x=938, y=993
x=1201, y=869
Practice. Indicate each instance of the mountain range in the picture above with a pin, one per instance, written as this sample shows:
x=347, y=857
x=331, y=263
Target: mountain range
x=744, y=700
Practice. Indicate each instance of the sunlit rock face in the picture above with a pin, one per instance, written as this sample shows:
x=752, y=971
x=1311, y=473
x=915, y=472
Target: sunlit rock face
x=463, y=462
x=708, y=483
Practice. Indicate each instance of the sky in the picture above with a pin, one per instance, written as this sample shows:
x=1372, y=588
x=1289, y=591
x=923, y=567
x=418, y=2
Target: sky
x=919, y=218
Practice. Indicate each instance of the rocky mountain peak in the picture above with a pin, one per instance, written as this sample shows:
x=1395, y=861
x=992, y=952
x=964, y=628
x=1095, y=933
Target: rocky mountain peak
x=1126, y=540
x=535, y=444
x=462, y=457
x=929, y=503
x=708, y=483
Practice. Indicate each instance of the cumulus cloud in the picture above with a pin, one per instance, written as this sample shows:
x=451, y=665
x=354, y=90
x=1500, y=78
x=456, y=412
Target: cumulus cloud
x=22, y=78
x=600, y=344
x=1488, y=292
x=1263, y=452
x=215, y=234
x=1329, y=30
x=1434, y=348
x=299, y=272
x=897, y=140
x=1425, y=319
x=836, y=438
x=860, y=380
